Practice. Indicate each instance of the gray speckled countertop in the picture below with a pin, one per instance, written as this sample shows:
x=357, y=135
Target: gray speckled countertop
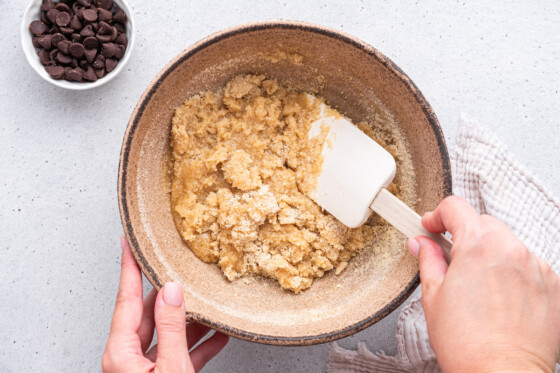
x=59, y=222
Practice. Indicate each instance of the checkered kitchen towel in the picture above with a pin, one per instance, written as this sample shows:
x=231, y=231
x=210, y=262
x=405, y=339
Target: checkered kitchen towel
x=495, y=183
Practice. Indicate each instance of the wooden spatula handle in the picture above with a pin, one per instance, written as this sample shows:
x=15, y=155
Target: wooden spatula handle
x=406, y=220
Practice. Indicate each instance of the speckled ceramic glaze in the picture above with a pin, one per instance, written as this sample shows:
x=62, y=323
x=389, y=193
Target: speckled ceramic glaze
x=354, y=78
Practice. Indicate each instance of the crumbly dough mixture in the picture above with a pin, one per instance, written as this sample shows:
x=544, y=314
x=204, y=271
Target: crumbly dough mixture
x=242, y=164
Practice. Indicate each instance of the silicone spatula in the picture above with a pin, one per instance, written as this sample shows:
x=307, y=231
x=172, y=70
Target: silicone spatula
x=355, y=174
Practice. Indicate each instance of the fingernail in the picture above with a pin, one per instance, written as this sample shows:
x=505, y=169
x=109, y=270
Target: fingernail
x=413, y=247
x=173, y=294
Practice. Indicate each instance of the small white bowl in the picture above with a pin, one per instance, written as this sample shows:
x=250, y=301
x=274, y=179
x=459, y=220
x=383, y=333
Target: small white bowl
x=33, y=12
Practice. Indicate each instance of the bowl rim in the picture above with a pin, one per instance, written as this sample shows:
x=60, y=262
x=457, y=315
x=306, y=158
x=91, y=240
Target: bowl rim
x=144, y=100
x=33, y=60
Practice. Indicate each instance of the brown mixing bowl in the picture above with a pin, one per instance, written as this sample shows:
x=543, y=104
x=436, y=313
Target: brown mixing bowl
x=355, y=78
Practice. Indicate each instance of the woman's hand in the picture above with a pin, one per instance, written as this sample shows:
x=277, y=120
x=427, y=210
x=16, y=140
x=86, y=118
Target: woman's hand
x=132, y=328
x=496, y=308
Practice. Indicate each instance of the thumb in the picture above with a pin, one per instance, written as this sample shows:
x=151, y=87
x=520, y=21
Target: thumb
x=431, y=262
x=170, y=320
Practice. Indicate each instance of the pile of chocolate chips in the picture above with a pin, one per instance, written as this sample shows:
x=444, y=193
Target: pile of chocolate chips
x=80, y=40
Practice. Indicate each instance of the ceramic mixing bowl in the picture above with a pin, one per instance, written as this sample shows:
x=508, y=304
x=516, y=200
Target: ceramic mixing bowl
x=357, y=80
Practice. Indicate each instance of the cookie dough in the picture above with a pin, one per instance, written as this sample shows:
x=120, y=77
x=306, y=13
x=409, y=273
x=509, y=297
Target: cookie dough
x=242, y=163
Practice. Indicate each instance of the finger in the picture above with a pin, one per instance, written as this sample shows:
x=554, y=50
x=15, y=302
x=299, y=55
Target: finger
x=146, y=329
x=117, y=361
x=451, y=215
x=195, y=332
x=433, y=265
x=128, y=308
x=208, y=349
x=413, y=246
x=170, y=319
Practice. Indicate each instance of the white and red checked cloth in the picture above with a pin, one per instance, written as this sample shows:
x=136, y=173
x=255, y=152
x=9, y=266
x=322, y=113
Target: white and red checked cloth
x=495, y=183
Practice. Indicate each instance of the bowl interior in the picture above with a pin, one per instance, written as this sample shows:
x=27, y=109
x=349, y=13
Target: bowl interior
x=354, y=78
x=33, y=12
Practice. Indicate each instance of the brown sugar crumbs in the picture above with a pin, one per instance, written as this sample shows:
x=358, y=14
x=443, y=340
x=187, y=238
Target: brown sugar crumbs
x=242, y=162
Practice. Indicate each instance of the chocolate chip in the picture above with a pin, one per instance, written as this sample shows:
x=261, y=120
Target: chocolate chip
x=76, y=38
x=44, y=18
x=84, y=3
x=89, y=74
x=119, y=26
x=87, y=31
x=78, y=10
x=77, y=50
x=52, y=55
x=61, y=7
x=84, y=64
x=103, y=38
x=47, y=5
x=94, y=26
x=121, y=39
x=90, y=55
x=54, y=29
x=91, y=43
x=114, y=33
x=63, y=19
x=56, y=39
x=105, y=4
x=37, y=28
x=64, y=46
x=48, y=68
x=99, y=62
x=44, y=57
x=56, y=72
x=51, y=15
x=120, y=51
x=76, y=74
x=63, y=58
x=75, y=23
x=110, y=64
x=66, y=71
x=66, y=30
x=35, y=41
x=45, y=41
x=108, y=49
x=104, y=28
x=115, y=8
x=105, y=15
x=120, y=16
x=74, y=62
x=100, y=73
x=90, y=15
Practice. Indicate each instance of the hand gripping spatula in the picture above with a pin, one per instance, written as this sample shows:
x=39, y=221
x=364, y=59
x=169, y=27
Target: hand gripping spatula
x=355, y=174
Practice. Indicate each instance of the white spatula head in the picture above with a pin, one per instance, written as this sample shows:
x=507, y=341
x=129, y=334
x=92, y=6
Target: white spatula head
x=355, y=168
